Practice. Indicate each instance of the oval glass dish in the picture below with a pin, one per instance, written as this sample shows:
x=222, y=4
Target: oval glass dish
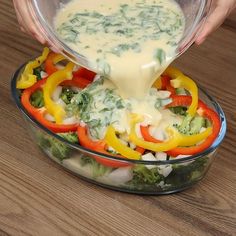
x=136, y=176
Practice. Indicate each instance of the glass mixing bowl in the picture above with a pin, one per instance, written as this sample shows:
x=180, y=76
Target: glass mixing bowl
x=135, y=176
x=43, y=12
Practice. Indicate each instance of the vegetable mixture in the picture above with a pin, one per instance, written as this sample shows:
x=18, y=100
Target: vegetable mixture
x=84, y=108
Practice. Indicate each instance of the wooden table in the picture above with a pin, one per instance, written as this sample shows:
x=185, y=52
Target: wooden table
x=38, y=197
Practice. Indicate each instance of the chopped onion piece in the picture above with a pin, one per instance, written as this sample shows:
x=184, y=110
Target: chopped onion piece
x=157, y=133
x=120, y=175
x=70, y=120
x=43, y=74
x=165, y=102
x=49, y=117
x=56, y=93
x=132, y=145
x=202, y=129
x=163, y=94
x=161, y=156
x=149, y=157
x=165, y=170
x=61, y=102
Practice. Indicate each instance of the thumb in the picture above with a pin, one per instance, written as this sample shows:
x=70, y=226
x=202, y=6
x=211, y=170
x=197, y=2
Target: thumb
x=214, y=21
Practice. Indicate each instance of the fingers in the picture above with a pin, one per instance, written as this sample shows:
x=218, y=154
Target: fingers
x=26, y=21
x=214, y=21
x=221, y=10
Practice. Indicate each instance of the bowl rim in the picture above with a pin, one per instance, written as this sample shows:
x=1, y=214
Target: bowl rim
x=212, y=148
x=197, y=27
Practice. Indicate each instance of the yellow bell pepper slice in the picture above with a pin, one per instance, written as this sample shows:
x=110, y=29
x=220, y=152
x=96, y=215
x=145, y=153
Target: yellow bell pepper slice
x=173, y=142
x=179, y=80
x=183, y=81
x=172, y=72
x=57, y=111
x=114, y=142
x=28, y=78
x=157, y=83
x=190, y=140
x=177, y=139
x=57, y=58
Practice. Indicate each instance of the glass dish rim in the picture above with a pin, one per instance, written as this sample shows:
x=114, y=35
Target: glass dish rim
x=85, y=62
x=196, y=27
x=214, y=146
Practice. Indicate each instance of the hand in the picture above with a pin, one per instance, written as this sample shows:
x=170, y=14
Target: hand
x=220, y=10
x=26, y=21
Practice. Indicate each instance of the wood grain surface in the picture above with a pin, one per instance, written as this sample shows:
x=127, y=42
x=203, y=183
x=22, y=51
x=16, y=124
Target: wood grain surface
x=38, y=197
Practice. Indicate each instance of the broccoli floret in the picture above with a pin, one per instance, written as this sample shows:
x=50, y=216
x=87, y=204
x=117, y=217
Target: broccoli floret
x=97, y=168
x=67, y=94
x=85, y=160
x=207, y=123
x=196, y=124
x=191, y=125
x=70, y=137
x=61, y=150
x=179, y=110
x=143, y=175
x=37, y=72
x=36, y=99
x=57, y=148
x=144, y=178
x=187, y=173
x=43, y=141
x=185, y=126
x=180, y=91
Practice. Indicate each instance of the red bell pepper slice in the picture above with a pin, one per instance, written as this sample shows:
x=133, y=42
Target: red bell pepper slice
x=84, y=73
x=184, y=100
x=83, y=76
x=203, y=110
x=49, y=65
x=98, y=146
x=146, y=135
x=140, y=150
x=85, y=141
x=26, y=94
x=56, y=128
x=79, y=82
x=165, y=84
x=38, y=113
